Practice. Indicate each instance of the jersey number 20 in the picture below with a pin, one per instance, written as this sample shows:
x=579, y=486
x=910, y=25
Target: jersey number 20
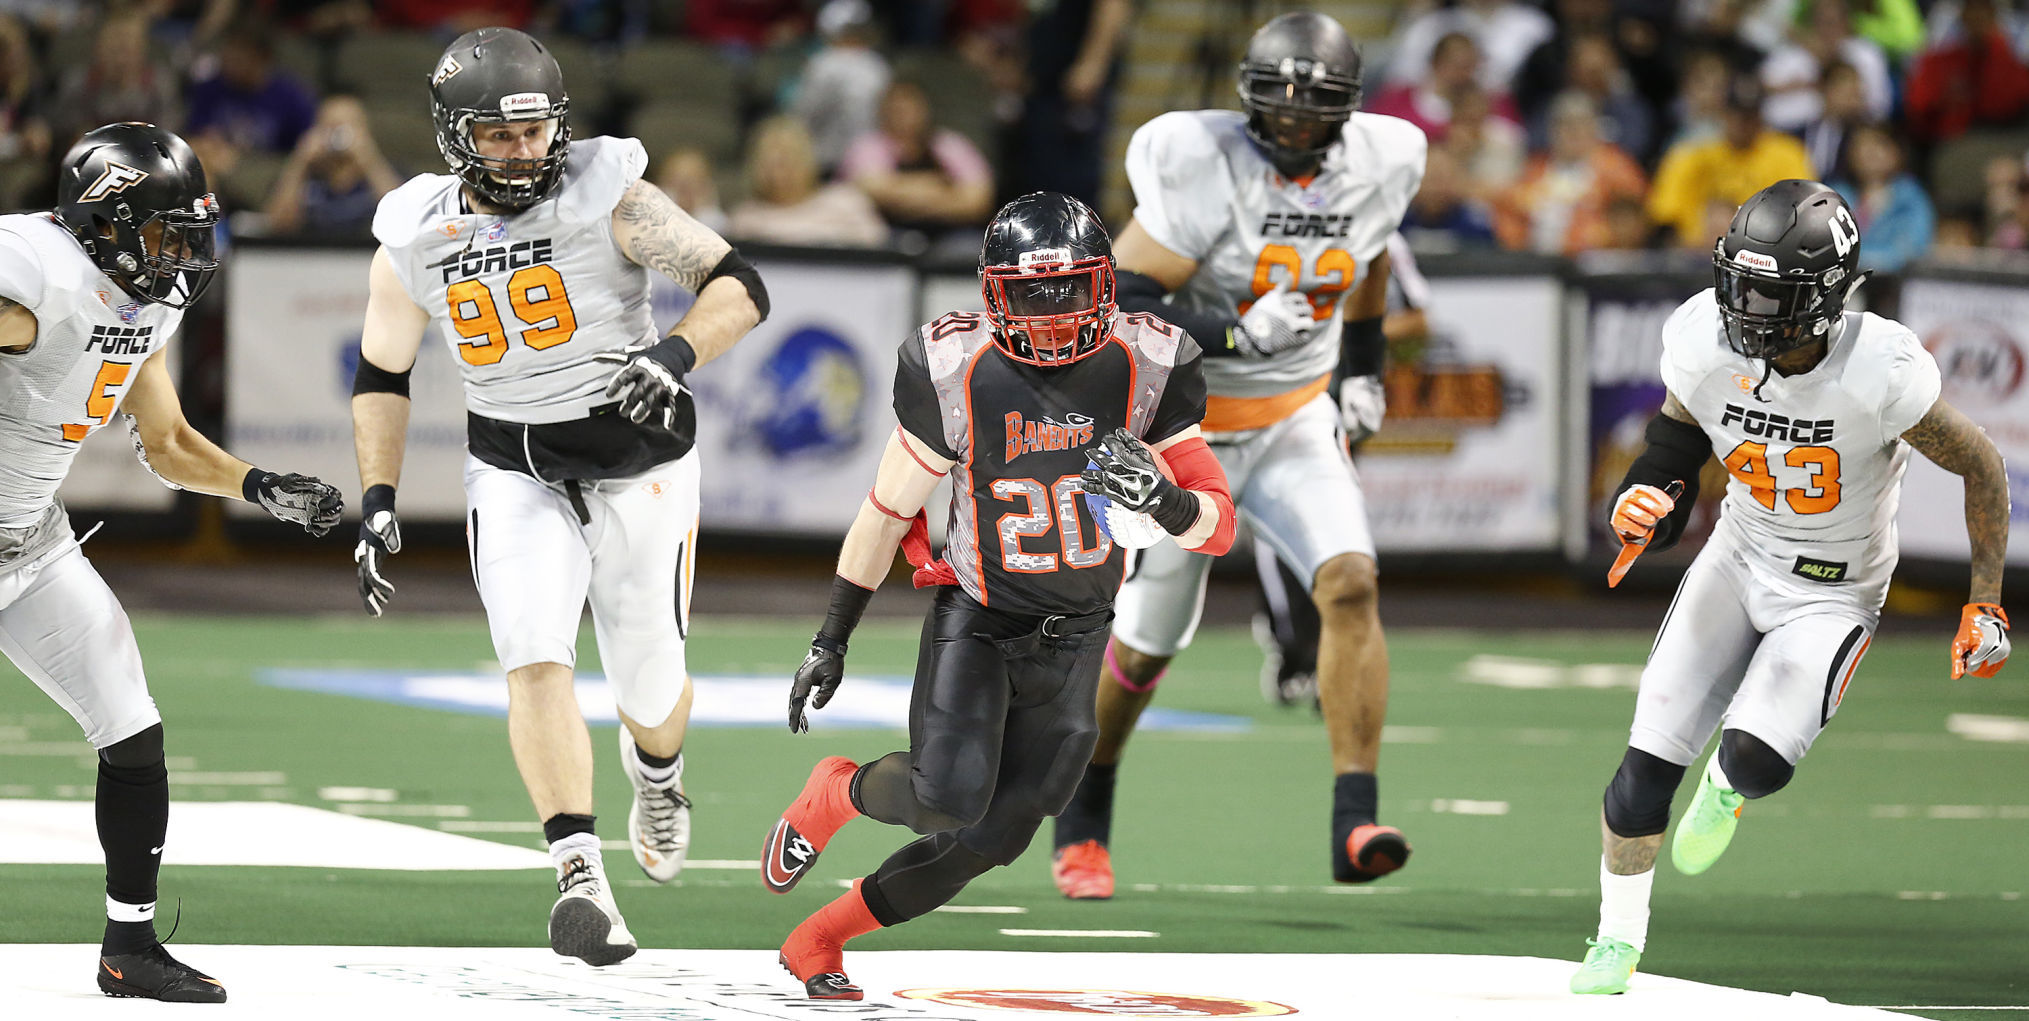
x=1062, y=498
x=1749, y=463
x=537, y=296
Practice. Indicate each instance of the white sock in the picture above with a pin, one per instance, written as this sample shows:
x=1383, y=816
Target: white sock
x=1717, y=775
x=654, y=774
x=586, y=844
x=120, y=911
x=1624, y=906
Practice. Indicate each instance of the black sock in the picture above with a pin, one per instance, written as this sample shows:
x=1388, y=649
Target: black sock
x=656, y=761
x=127, y=938
x=1089, y=816
x=564, y=824
x=133, y=816
x=1354, y=800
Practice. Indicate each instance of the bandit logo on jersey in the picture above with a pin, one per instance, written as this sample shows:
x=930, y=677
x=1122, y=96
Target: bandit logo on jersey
x=1027, y=437
x=1116, y=1002
x=116, y=178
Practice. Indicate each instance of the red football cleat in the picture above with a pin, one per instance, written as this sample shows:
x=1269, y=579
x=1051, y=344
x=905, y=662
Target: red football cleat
x=1083, y=871
x=1369, y=852
x=808, y=824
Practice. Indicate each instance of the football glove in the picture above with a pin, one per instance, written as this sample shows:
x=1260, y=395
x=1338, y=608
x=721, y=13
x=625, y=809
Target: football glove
x=380, y=534
x=1276, y=322
x=650, y=379
x=1124, y=471
x=1639, y=508
x=816, y=680
x=1363, y=403
x=1982, y=643
x=297, y=499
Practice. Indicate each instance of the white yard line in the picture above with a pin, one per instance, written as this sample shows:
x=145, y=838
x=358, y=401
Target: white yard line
x=1091, y=933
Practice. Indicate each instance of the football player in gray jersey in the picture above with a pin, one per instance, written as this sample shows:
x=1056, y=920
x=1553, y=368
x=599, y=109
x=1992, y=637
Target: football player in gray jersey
x=89, y=295
x=530, y=261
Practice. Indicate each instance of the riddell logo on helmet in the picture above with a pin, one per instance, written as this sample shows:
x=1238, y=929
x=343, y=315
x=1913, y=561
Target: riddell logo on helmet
x=1755, y=260
x=524, y=102
x=1118, y=1002
x=116, y=178
x=1043, y=258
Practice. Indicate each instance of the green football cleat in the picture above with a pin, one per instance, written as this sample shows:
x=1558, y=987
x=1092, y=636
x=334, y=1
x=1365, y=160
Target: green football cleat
x=1707, y=827
x=1607, y=968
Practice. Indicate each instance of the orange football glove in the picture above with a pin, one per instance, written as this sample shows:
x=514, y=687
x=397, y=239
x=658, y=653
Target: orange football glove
x=1639, y=508
x=1982, y=643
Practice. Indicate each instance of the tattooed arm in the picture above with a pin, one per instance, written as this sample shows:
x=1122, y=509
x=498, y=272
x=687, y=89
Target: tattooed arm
x=1954, y=443
x=654, y=232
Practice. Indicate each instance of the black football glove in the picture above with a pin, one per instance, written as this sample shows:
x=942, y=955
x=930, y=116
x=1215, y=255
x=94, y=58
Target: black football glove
x=1124, y=471
x=650, y=380
x=821, y=672
x=297, y=499
x=380, y=534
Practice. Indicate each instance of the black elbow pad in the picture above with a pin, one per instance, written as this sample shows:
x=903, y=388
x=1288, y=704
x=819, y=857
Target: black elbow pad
x=372, y=379
x=736, y=266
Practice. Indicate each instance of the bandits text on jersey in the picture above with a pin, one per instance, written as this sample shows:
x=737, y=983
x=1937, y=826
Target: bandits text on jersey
x=1029, y=436
x=1769, y=425
x=1307, y=225
x=120, y=340
x=498, y=259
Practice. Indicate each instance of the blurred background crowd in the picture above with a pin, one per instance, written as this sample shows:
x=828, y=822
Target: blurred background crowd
x=1562, y=127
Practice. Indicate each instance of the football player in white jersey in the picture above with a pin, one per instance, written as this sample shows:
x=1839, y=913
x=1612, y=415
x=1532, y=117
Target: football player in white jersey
x=89, y=296
x=1813, y=410
x=1264, y=235
x=530, y=260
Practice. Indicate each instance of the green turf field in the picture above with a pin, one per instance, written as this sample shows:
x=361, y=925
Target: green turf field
x=1890, y=873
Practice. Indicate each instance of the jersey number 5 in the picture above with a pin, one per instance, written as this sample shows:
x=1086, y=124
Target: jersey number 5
x=101, y=403
x=1335, y=263
x=1749, y=463
x=537, y=296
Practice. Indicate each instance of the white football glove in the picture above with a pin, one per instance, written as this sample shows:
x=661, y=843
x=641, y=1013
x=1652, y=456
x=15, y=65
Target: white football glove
x=1276, y=322
x=1363, y=403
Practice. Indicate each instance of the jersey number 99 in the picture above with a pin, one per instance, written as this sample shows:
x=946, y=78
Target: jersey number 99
x=537, y=296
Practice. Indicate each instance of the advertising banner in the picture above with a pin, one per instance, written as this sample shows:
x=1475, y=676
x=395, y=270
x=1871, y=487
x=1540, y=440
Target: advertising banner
x=1979, y=334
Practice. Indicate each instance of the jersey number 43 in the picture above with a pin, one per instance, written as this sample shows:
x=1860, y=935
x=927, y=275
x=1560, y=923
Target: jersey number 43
x=1749, y=463
x=536, y=293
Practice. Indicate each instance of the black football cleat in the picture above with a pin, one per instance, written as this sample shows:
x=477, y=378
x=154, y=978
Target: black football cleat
x=1368, y=853
x=830, y=985
x=154, y=975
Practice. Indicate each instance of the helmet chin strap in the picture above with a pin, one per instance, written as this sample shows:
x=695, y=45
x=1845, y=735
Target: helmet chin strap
x=1834, y=329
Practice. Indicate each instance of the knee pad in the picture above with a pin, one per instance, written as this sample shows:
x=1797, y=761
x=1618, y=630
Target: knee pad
x=142, y=751
x=1638, y=799
x=1751, y=766
x=1000, y=840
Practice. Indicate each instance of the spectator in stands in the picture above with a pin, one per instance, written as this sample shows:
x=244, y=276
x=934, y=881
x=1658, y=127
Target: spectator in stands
x=2005, y=182
x=787, y=205
x=124, y=82
x=1943, y=24
x=1793, y=70
x=1698, y=178
x=1444, y=215
x=1627, y=225
x=745, y=26
x=1454, y=69
x=1059, y=141
x=24, y=138
x=457, y=17
x=685, y=175
x=1506, y=31
x=923, y=179
x=1894, y=25
x=843, y=81
x=1723, y=27
x=1489, y=148
x=1842, y=107
x=1559, y=205
x=1595, y=69
x=1958, y=235
x=245, y=119
x=1636, y=29
x=335, y=177
x=1895, y=215
x=1972, y=79
x=1699, y=111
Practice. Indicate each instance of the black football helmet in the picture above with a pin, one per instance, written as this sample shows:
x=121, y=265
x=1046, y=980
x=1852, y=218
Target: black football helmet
x=1046, y=271
x=495, y=75
x=1785, y=267
x=1299, y=83
x=134, y=196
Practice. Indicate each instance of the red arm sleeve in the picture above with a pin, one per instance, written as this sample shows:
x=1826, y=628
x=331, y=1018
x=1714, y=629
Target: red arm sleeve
x=1195, y=469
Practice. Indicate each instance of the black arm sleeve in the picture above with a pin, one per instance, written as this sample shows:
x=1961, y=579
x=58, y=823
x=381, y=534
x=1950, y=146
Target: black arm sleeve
x=1141, y=293
x=1676, y=452
x=916, y=405
x=1183, y=396
x=1363, y=348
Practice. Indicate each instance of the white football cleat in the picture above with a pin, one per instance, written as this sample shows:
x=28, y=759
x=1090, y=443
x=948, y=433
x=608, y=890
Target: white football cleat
x=585, y=923
x=658, y=826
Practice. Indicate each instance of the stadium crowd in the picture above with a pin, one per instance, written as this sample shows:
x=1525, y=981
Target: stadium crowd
x=1561, y=127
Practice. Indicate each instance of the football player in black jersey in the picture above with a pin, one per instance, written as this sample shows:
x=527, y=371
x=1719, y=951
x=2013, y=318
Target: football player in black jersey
x=1050, y=396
